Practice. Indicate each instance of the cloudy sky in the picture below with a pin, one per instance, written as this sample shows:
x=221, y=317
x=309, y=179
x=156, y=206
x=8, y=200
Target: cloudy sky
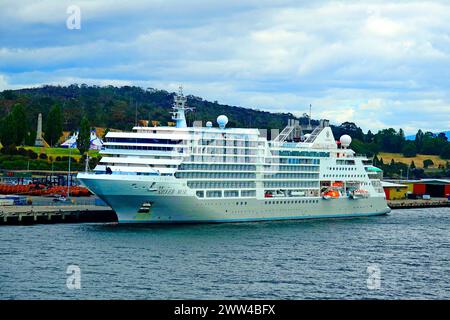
x=377, y=63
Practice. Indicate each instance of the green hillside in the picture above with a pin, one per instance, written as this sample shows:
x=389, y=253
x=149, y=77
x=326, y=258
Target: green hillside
x=114, y=107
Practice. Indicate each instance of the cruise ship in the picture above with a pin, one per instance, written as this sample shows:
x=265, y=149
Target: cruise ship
x=213, y=173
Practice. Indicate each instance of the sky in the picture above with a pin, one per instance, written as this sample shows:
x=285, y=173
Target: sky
x=376, y=63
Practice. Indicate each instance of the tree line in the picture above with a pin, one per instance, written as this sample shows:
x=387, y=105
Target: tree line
x=392, y=141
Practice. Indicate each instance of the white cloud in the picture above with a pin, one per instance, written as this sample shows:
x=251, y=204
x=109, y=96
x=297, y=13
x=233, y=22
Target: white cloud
x=376, y=63
x=3, y=83
x=384, y=27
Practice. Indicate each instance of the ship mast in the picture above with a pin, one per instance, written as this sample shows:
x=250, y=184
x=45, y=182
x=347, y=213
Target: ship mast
x=309, y=118
x=179, y=107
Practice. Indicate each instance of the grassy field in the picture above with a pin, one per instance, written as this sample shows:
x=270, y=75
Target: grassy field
x=61, y=152
x=418, y=159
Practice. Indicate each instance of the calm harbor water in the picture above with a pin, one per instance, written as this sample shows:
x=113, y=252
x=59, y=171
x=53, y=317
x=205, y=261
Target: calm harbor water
x=326, y=259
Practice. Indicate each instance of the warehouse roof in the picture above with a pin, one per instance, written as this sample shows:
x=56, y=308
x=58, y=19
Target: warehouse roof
x=386, y=184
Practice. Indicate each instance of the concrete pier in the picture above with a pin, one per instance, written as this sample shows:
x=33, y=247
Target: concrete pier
x=418, y=203
x=14, y=215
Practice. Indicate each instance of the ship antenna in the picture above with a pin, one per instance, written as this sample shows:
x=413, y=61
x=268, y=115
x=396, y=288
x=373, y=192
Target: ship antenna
x=135, y=114
x=310, y=106
x=180, y=107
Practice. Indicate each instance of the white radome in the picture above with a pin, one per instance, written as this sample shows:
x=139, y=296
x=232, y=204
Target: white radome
x=222, y=121
x=209, y=124
x=345, y=140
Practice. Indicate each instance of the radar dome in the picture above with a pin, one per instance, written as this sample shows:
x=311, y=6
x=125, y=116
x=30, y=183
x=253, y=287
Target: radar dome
x=209, y=124
x=345, y=140
x=222, y=121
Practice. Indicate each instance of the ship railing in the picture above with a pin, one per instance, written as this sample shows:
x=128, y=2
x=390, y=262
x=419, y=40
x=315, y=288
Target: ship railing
x=282, y=144
x=133, y=173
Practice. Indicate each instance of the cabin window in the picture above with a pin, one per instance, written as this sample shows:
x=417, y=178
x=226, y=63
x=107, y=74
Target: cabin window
x=200, y=194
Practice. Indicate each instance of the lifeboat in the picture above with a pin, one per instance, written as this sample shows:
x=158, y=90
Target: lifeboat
x=359, y=194
x=337, y=184
x=331, y=194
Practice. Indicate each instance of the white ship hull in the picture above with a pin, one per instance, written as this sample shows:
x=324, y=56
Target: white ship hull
x=173, y=202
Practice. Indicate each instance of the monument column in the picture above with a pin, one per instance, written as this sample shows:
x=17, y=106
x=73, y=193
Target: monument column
x=39, y=140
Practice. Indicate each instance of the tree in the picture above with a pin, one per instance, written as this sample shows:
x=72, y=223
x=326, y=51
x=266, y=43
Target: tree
x=429, y=145
x=412, y=165
x=419, y=140
x=427, y=163
x=369, y=136
x=369, y=149
x=7, y=131
x=30, y=138
x=409, y=150
x=351, y=129
x=445, y=153
x=375, y=161
x=401, y=138
x=20, y=124
x=105, y=133
x=389, y=140
x=442, y=136
x=14, y=127
x=84, y=136
x=53, y=126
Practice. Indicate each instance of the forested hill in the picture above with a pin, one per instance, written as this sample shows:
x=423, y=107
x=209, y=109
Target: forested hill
x=115, y=107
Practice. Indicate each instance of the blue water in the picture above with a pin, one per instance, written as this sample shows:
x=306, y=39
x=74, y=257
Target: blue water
x=266, y=260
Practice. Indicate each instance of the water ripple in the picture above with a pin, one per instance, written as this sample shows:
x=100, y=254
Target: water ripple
x=325, y=259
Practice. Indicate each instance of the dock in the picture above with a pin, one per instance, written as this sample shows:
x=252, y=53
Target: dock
x=418, y=203
x=25, y=215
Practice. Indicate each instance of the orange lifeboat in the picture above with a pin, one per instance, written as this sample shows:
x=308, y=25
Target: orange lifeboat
x=337, y=184
x=331, y=194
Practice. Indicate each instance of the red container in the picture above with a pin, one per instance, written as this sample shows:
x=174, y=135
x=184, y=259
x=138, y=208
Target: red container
x=419, y=188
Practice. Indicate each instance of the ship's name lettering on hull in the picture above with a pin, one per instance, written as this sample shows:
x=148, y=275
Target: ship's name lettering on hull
x=169, y=191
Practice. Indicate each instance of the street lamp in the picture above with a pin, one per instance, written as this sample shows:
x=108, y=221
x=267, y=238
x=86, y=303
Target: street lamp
x=68, y=174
